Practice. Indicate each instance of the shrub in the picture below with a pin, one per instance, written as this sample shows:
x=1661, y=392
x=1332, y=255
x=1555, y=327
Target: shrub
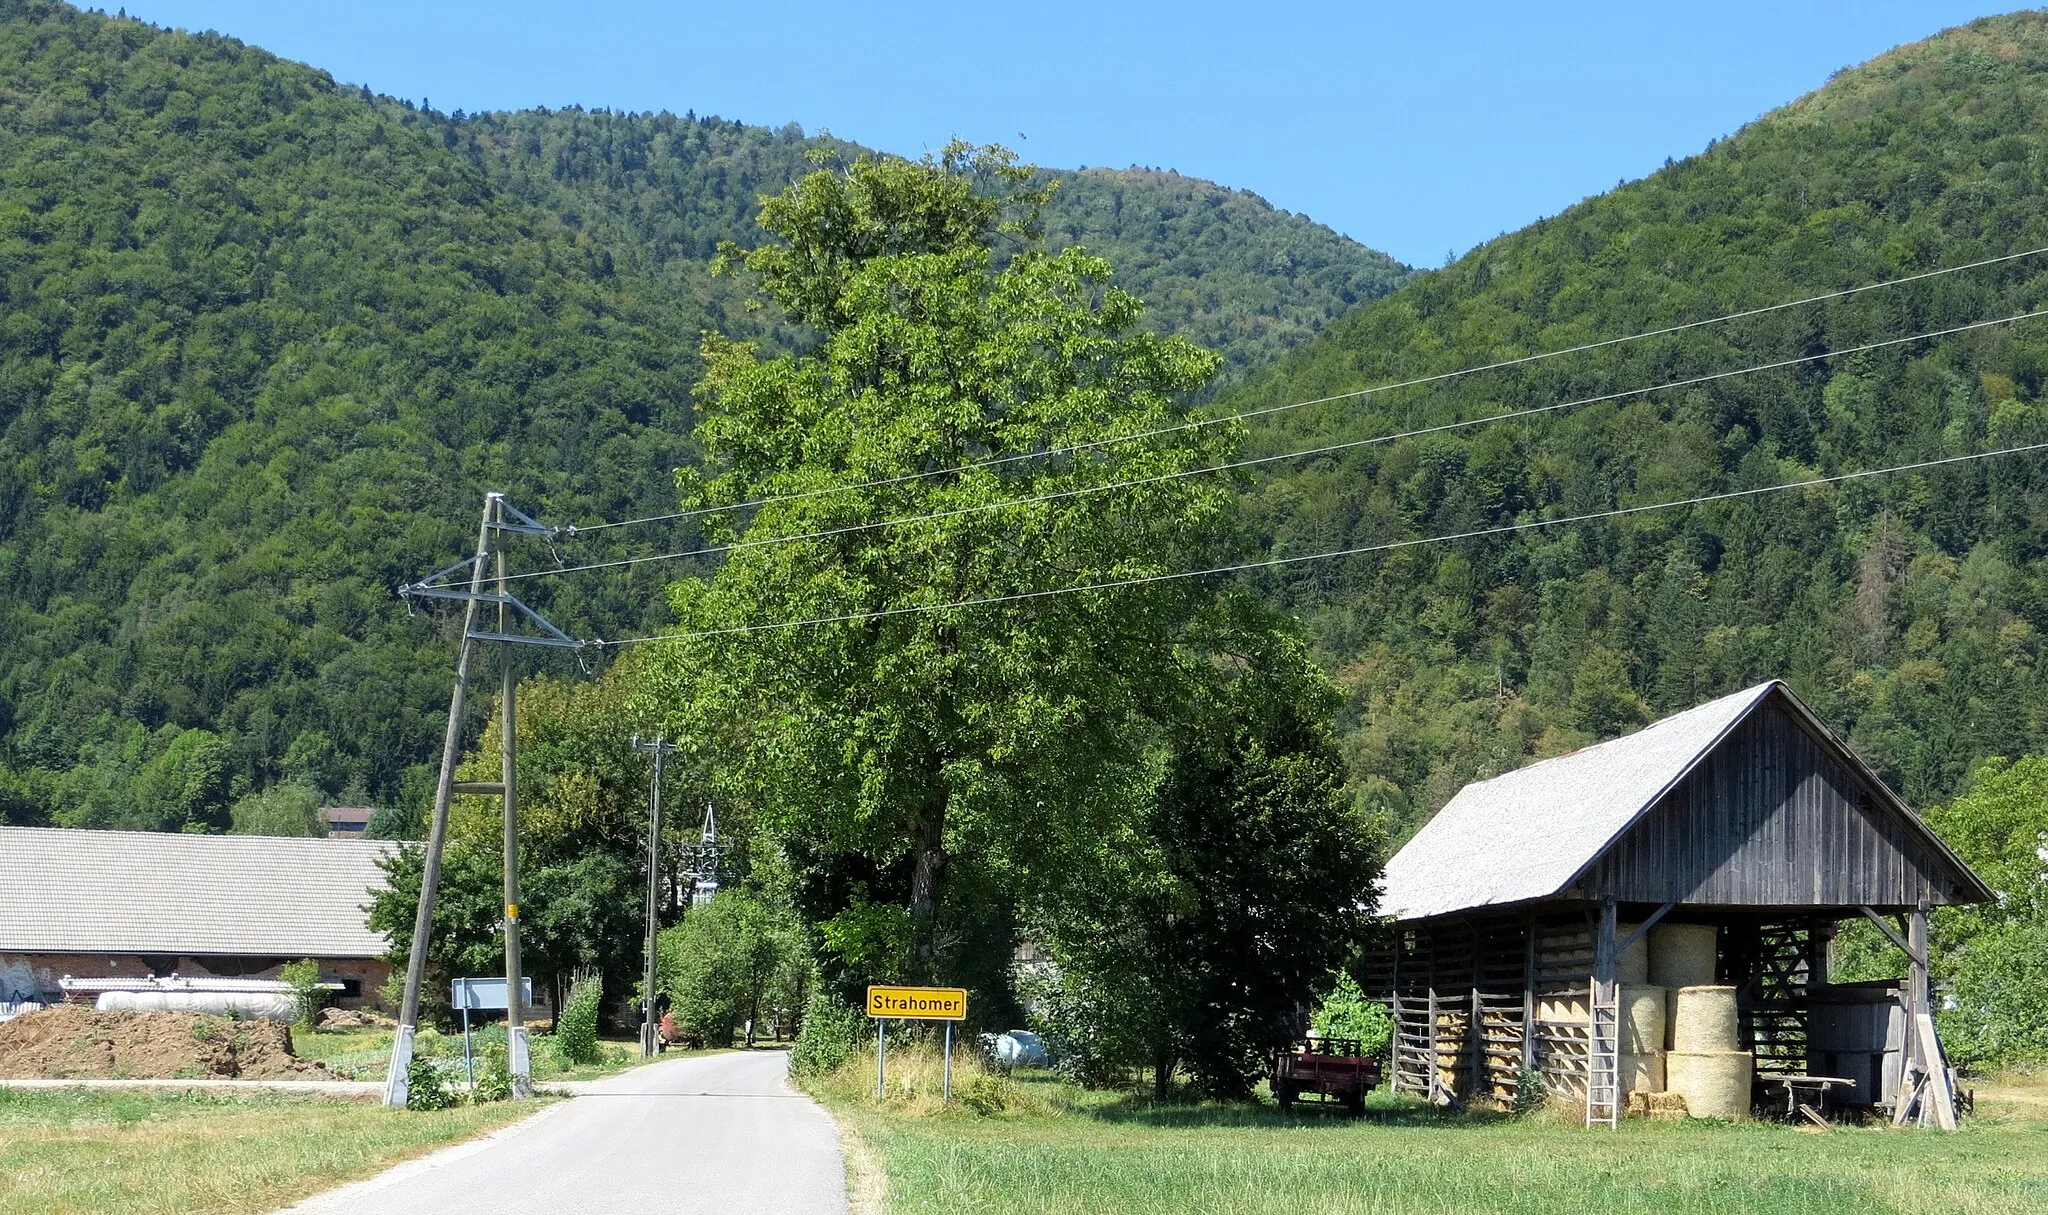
x=493, y=1073
x=1346, y=1013
x=986, y=1095
x=576, y=1028
x=828, y=1038
x=425, y=1089
x=307, y=997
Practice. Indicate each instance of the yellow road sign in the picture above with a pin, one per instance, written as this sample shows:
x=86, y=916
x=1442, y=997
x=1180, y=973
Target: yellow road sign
x=918, y=1003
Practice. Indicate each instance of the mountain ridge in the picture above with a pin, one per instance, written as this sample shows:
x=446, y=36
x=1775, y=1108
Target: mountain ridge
x=267, y=337
x=1909, y=611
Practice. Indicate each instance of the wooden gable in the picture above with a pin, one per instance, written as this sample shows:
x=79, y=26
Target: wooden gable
x=1777, y=814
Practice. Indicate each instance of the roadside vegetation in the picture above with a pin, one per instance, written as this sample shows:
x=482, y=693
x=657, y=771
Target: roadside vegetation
x=84, y=1151
x=1032, y=1143
x=364, y=1054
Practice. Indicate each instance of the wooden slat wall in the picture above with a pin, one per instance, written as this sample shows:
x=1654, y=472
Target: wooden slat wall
x=1771, y=819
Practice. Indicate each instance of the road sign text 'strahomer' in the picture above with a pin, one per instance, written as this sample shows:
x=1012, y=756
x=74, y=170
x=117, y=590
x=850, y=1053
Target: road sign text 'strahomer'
x=918, y=1003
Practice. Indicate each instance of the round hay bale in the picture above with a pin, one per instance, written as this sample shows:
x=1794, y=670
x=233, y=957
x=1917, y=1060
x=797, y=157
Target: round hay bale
x=1715, y=1084
x=1633, y=964
x=1684, y=955
x=1643, y=1013
x=1643, y=1073
x=1703, y=1019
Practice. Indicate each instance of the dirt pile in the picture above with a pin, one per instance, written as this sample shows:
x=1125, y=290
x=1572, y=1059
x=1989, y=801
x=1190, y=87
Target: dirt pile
x=72, y=1041
x=354, y=1018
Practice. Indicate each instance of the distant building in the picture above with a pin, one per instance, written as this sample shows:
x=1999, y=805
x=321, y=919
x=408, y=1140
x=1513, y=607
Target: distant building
x=131, y=904
x=346, y=822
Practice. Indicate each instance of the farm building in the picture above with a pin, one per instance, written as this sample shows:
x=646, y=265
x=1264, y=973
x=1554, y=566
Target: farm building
x=1652, y=915
x=135, y=904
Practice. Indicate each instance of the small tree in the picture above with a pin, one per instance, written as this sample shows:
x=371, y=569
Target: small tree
x=727, y=962
x=287, y=809
x=307, y=994
x=1346, y=1013
x=576, y=1027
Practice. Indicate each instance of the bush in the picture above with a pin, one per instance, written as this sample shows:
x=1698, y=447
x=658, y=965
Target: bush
x=986, y=1095
x=829, y=1037
x=576, y=1028
x=425, y=1089
x=307, y=997
x=1346, y=1013
x=493, y=1073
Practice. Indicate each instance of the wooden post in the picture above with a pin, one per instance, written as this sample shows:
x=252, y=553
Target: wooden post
x=1528, y=1004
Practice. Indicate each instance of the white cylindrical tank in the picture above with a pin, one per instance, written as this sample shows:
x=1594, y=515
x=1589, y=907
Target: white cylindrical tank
x=249, y=1006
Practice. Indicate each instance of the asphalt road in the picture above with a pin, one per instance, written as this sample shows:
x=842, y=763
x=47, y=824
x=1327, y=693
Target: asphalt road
x=723, y=1133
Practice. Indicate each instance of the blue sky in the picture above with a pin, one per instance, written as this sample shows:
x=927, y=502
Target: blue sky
x=1417, y=128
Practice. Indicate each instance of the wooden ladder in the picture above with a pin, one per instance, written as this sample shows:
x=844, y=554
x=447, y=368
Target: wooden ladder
x=1603, y=1056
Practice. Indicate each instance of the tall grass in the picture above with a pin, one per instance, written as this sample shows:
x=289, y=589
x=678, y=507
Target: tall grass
x=1065, y=1152
x=78, y=1151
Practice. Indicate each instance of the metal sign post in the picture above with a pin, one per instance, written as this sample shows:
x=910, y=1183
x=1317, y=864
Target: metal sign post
x=885, y=1004
x=484, y=995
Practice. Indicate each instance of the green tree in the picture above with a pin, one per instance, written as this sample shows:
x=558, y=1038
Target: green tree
x=1198, y=938
x=730, y=963
x=278, y=810
x=1992, y=960
x=903, y=734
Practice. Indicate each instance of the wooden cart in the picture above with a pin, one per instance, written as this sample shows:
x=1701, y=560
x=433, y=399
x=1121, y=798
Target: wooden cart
x=1332, y=1069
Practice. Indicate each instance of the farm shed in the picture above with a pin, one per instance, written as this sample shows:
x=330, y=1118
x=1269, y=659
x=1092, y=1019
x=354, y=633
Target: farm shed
x=132, y=904
x=1656, y=911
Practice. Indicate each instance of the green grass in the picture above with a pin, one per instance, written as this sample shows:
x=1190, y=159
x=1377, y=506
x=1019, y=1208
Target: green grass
x=364, y=1054
x=156, y=1151
x=1058, y=1150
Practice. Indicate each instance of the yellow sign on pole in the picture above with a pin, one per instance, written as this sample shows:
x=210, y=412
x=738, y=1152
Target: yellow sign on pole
x=918, y=1003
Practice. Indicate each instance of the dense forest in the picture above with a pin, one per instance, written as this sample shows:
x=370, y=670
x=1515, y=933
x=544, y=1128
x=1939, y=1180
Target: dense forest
x=1220, y=267
x=266, y=337
x=1909, y=610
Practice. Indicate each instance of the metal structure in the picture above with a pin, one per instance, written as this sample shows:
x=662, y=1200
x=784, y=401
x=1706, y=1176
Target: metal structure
x=500, y=519
x=650, y=1043
x=1744, y=822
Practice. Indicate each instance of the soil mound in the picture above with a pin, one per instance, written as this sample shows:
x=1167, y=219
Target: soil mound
x=353, y=1018
x=71, y=1041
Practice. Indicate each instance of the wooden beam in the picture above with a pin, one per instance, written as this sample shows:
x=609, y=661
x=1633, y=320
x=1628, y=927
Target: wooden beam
x=1891, y=934
x=1642, y=929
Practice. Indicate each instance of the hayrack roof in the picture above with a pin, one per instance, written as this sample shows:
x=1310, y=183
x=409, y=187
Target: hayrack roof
x=1530, y=834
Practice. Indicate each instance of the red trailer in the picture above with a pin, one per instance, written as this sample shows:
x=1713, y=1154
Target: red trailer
x=1335, y=1069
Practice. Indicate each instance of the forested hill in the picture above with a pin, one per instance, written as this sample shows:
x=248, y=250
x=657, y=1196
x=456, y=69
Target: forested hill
x=1221, y=267
x=1910, y=610
x=266, y=337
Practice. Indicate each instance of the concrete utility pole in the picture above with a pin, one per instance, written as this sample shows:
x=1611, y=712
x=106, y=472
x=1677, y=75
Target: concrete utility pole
x=517, y=1057
x=499, y=517
x=650, y=1042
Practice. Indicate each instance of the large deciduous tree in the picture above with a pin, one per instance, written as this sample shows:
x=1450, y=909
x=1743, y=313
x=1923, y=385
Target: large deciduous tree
x=898, y=732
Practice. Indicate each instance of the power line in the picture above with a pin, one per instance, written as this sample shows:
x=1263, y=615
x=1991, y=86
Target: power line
x=1198, y=423
x=1257, y=461
x=1272, y=562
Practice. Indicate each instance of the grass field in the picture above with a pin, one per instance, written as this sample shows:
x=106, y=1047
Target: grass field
x=66, y=1151
x=1058, y=1150
x=365, y=1054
